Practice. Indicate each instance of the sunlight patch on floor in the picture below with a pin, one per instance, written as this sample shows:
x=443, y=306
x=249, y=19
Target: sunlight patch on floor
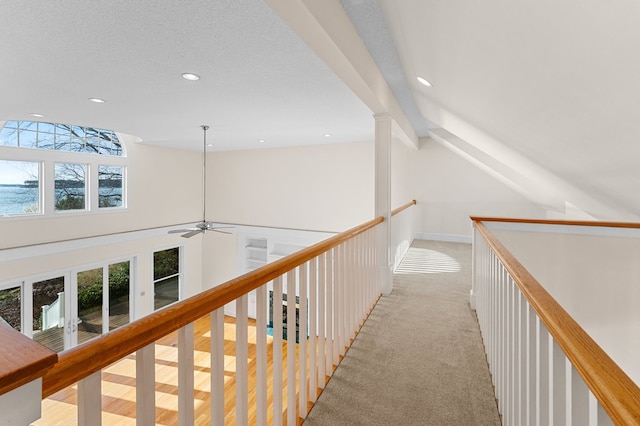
x=425, y=261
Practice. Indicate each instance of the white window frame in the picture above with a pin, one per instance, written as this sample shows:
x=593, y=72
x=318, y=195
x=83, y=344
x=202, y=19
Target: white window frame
x=47, y=159
x=180, y=276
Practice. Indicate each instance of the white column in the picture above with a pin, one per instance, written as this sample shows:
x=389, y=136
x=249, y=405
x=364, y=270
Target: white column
x=383, y=198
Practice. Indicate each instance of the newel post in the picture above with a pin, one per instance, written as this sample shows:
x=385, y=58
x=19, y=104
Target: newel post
x=23, y=364
x=383, y=198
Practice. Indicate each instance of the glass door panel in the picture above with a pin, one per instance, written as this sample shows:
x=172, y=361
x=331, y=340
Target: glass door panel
x=11, y=307
x=49, y=313
x=119, y=288
x=89, y=295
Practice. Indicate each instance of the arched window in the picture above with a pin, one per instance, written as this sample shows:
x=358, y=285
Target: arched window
x=49, y=168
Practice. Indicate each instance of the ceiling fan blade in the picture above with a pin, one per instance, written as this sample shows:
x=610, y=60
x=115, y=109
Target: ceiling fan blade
x=192, y=233
x=222, y=232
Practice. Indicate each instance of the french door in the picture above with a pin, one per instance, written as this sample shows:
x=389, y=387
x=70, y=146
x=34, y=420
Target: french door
x=68, y=309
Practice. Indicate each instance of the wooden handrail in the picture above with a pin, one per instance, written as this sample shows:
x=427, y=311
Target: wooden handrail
x=88, y=358
x=403, y=207
x=23, y=360
x=558, y=222
x=617, y=393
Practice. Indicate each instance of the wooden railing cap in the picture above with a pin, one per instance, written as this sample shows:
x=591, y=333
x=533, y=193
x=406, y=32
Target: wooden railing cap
x=22, y=360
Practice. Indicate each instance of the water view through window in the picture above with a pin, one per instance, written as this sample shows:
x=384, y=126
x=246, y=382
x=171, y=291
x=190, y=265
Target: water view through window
x=19, y=187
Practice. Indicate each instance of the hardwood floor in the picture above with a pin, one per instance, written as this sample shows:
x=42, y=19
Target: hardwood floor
x=119, y=393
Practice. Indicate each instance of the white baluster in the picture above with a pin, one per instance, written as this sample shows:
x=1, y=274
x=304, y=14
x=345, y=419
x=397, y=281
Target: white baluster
x=277, y=351
x=558, y=391
x=329, y=312
x=217, y=367
x=90, y=400
x=579, y=401
x=185, y=375
x=242, y=376
x=313, y=329
x=302, y=346
x=291, y=347
x=532, y=372
x=543, y=365
x=146, y=385
x=322, y=321
x=261, y=355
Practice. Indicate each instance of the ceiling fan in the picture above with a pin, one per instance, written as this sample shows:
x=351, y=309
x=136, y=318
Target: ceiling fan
x=203, y=226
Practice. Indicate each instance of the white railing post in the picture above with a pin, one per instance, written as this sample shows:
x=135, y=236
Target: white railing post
x=302, y=346
x=261, y=355
x=277, y=351
x=291, y=347
x=217, y=367
x=242, y=375
x=313, y=330
x=322, y=321
x=185, y=375
x=90, y=400
x=146, y=385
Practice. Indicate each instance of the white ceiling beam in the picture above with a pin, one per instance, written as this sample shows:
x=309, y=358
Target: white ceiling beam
x=326, y=28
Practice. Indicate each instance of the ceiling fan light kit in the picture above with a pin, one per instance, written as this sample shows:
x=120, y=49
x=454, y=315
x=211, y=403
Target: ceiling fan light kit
x=204, y=226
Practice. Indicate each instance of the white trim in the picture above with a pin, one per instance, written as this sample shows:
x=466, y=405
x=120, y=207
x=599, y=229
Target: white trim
x=36, y=250
x=466, y=239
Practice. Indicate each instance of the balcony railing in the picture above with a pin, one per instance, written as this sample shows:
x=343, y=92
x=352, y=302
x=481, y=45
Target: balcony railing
x=335, y=284
x=546, y=369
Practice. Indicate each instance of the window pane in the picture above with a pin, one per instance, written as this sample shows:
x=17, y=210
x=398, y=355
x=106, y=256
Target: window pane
x=46, y=128
x=166, y=263
x=110, y=186
x=89, y=304
x=28, y=139
x=119, y=307
x=58, y=136
x=48, y=313
x=166, y=279
x=70, y=186
x=46, y=140
x=28, y=125
x=12, y=124
x=8, y=136
x=165, y=292
x=19, y=188
x=11, y=307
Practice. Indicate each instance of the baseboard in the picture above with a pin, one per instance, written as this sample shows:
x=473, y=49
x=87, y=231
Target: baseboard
x=444, y=237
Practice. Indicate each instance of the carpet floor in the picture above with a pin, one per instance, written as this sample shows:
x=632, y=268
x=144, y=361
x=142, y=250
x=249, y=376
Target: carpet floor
x=418, y=359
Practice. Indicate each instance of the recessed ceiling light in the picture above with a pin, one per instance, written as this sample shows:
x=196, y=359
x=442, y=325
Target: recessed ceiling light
x=261, y=140
x=424, y=81
x=190, y=76
x=35, y=114
x=209, y=144
x=97, y=100
x=327, y=135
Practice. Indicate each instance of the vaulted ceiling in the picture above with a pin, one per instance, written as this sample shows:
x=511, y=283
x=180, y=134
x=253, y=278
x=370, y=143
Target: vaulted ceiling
x=543, y=95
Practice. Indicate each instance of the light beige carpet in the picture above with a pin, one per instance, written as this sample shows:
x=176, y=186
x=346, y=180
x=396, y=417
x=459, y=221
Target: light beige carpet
x=418, y=360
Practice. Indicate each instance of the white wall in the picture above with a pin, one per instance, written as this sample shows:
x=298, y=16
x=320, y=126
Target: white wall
x=323, y=187
x=164, y=188
x=331, y=188
x=449, y=189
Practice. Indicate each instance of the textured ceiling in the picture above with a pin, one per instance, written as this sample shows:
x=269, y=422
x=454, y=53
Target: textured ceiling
x=258, y=79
